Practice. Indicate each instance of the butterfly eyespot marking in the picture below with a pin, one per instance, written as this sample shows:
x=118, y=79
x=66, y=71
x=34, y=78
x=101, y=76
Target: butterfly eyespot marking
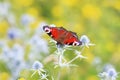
x=47, y=30
x=75, y=43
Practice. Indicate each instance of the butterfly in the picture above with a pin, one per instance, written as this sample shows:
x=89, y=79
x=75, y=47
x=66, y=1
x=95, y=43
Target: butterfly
x=62, y=36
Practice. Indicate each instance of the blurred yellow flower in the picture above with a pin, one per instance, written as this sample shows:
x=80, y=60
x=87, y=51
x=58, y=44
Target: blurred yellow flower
x=107, y=3
x=59, y=23
x=118, y=48
x=79, y=28
x=93, y=77
x=113, y=3
x=21, y=79
x=116, y=5
x=57, y=11
x=3, y=28
x=33, y=11
x=91, y=11
x=110, y=46
x=70, y=3
x=116, y=55
x=23, y=3
x=4, y=76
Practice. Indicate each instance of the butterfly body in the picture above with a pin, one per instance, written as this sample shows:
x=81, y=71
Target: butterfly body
x=62, y=36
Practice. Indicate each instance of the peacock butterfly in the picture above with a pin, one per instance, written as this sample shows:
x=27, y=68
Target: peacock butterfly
x=62, y=36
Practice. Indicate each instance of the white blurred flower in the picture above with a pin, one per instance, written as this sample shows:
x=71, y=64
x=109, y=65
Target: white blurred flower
x=11, y=19
x=26, y=19
x=39, y=29
x=14, y=33
x=109, y=73
x=14, y=58
x=4, y=8
x=6, y=53
x=18, y=51
x=16, y=66
x=38, y=44
x=85, y=41
x=2, y=43
x=96, y=61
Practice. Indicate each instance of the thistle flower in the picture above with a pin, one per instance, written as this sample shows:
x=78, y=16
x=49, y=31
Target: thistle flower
x=37, y=65
x=112, y=73
x=85, y=41
x=38, y=68
x=109, y=73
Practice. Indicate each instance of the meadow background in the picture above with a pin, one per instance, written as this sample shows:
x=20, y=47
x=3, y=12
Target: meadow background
x=22, y=41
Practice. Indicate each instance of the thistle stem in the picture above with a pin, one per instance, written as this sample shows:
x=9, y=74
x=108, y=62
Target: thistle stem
x=59, y=73
x=60, y=52
x=60, y=59
x=75, y=57
x=73, y=60
x=33, y=74
x=82, y=49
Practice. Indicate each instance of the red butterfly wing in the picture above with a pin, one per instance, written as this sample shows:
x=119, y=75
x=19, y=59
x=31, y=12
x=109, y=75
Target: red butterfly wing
x=54, y=32
x=71, y=38
x=58, y=34
x=62, y=36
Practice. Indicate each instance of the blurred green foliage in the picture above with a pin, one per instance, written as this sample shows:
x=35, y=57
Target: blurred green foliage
x=98, y=19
